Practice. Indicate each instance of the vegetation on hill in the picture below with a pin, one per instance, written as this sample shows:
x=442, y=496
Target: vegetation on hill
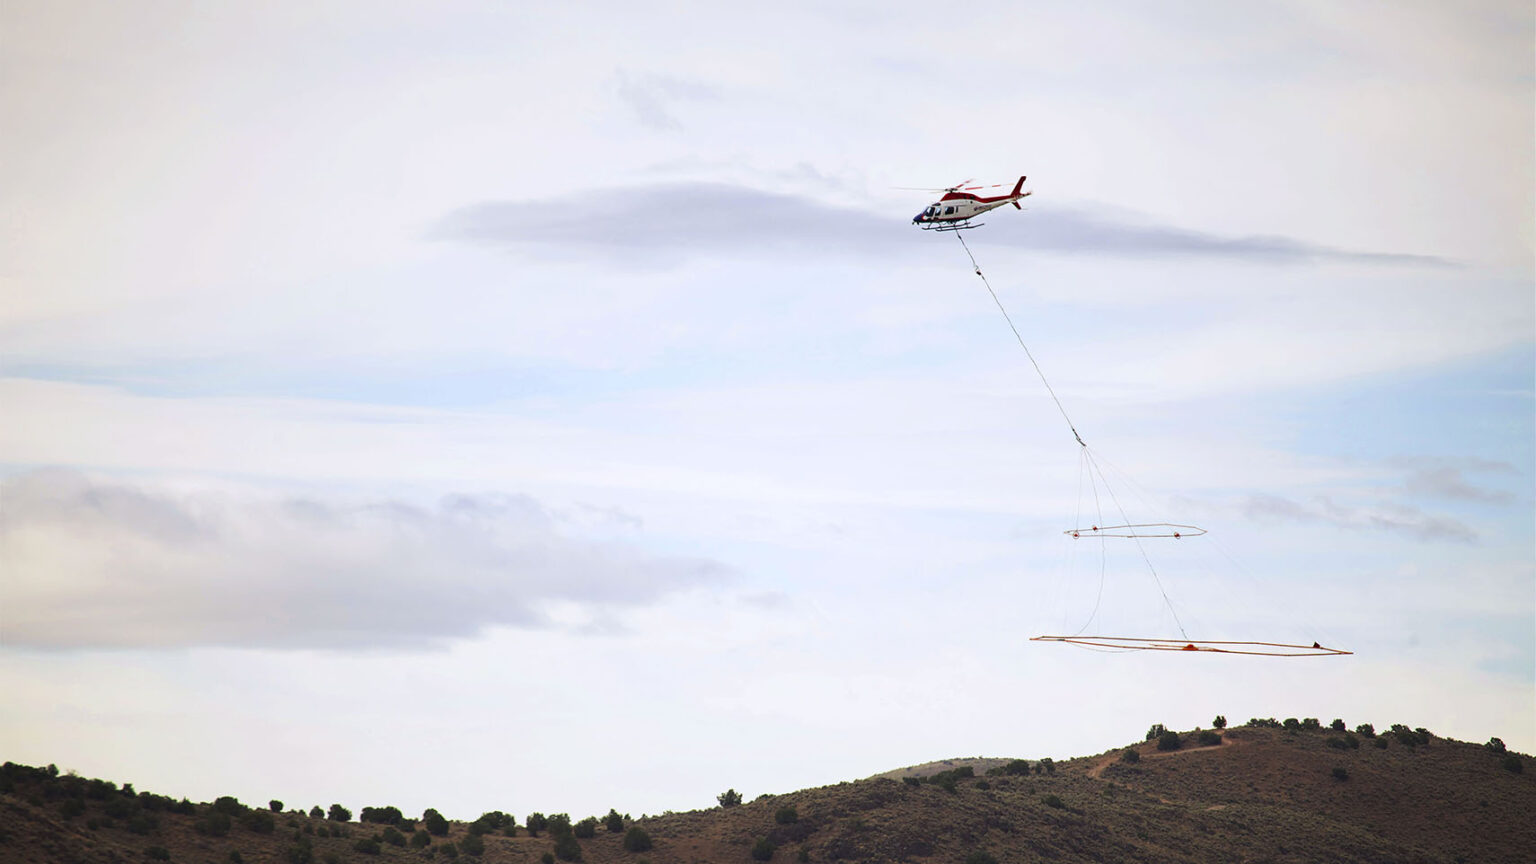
x=1268, y=791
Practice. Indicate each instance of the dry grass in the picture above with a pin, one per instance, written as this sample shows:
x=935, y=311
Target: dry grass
x=1263, y=795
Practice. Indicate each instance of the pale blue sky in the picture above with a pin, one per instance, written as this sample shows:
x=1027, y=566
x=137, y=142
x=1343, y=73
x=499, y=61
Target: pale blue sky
x=560, y=401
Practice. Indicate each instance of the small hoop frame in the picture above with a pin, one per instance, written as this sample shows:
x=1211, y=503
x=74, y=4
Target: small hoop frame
x=1259, y=649
x=1147, y=529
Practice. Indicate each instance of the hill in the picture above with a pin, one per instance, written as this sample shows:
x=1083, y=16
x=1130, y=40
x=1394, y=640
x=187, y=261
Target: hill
x=1260, y=793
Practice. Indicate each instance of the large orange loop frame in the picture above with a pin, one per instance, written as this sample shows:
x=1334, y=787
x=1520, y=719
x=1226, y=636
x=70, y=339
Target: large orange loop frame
x=1261, y=649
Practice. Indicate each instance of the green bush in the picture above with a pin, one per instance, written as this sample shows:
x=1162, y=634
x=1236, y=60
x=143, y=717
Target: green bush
x=381, y=815
x=434, y=822
x=1155, y=732
x=559, y=824
x=912, y=781
x=1053, y=801
x=980, y=857
x=158, y=853
x=448, y=850
x=1130, y=756
x=1291, y=724
x=367, y=846
x=392, y=836
x=786, y=815
x=547, y=858
x=275, y=806
x=1017, y=766
x=729, y=798
x=637, y=840
x=259, y=821
x=1209, y=738
x=614, y=822
x=535, y=823
x=1264, y=723
x=1381, y=743
x=229, y=804
x=212, y=824
x=1366, y=730
x=1045, y=766
x=316, y=813
x=586, y=829
x=339, y=813
x=69, y=808
x=1168, y=741
x=1337, y=725
x=473, y=844
x=567, y=848
x=1496, y=745
x=421, y=839
x=1220, y=722
x=235, y=857
x=1512, y=764
x=762, y=850
x=1340, y=773
x=1311, y=724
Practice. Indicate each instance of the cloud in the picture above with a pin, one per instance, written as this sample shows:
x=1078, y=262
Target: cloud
x=649, y=97
x=1439, y=479
x=665, y=222
x=1394, y=518
x=92, y=564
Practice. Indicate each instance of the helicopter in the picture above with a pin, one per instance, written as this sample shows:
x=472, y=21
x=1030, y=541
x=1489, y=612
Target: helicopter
x=959, y=205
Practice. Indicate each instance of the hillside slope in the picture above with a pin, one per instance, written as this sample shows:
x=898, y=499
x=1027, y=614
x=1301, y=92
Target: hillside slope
x=1261, y=795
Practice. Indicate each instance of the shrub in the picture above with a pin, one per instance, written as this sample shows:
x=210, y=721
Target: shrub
x=448, y=850
x=142, y=823
x=1045, y=766
x=212, y=824
x=1311, y=724
x=473, y=844
x=786, y=815
x=1512, y=764
x=803, y=856
x=946, y=781
x=1366, y=730
x=1337, y=725
x=367, y=846
x=392, y=836
x=1496, y=745
x=1336, y=743
x=983, y=785
x=1291, y=724
x=158, y=853
x=637, y=840
x=1340, y=773
x=1130, y=756
x=434, y=822
x=1381, y=743
x=421, y=839
x=567, y=849
x=1168, y=741
x=613, y=822
x=275, y=806
x=729, y=798
x=339, y=813
x=1053, y=801
x=762, y=850
x=316, y=813
x=980, y=857
x=229, y=804
x=72, y=807
x=559, y=824
x=535, y=823
x=1155, y=732
x=586, y=829
x=1264, y=723
x=1220, y=722
x=235, y=857
x=259, y=821
x=547, y=858
x=381, y=815
x=1209, y=738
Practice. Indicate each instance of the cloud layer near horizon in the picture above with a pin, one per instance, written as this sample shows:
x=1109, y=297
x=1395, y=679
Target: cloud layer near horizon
x=94, y=564
x=663, y=222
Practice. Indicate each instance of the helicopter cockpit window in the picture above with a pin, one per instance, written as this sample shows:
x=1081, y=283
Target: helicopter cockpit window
x=949, y=211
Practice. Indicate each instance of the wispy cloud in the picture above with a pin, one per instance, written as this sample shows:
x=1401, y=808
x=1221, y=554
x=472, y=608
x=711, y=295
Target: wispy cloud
x=651, y=97
x=92, y=564
x=1443, y=479
x=670, y=221
x=1393, y=518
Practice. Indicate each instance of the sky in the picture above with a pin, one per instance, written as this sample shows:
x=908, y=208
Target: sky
x=553, y=408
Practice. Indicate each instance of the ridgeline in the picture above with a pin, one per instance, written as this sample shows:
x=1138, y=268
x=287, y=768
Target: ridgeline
x=1264, y=792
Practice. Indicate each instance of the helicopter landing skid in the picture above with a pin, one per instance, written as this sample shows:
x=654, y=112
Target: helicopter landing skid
x=951, y=226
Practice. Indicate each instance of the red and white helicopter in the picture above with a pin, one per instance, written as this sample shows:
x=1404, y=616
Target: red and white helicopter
x=959, y=205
